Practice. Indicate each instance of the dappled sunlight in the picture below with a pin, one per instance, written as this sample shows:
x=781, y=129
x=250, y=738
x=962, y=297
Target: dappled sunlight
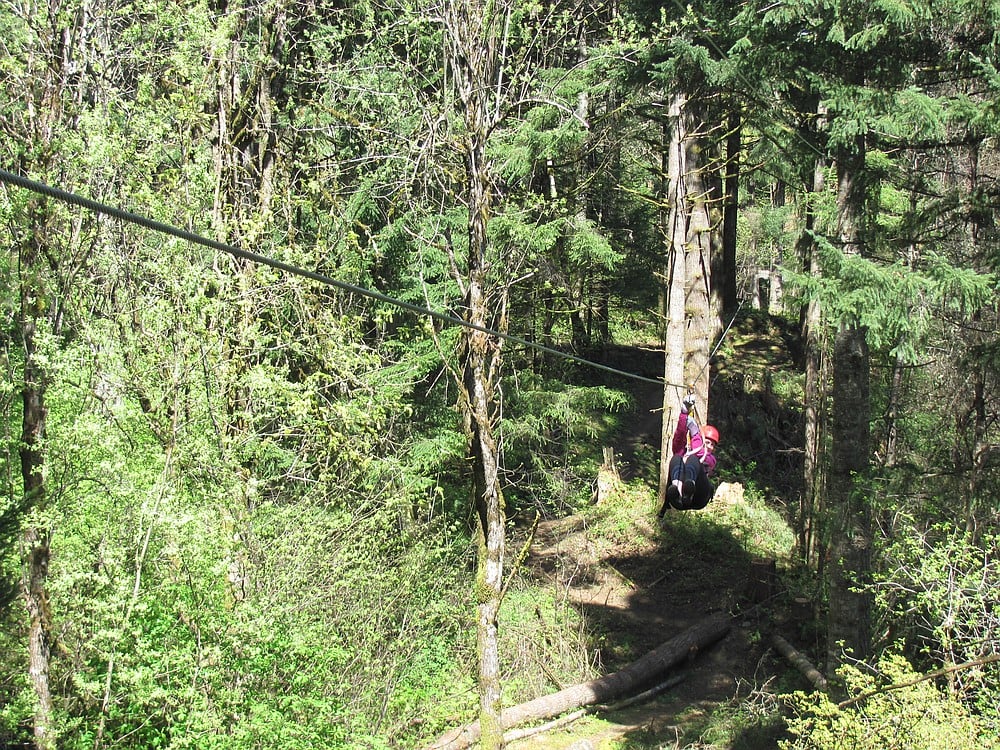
x=637, y=581
x=643, y=585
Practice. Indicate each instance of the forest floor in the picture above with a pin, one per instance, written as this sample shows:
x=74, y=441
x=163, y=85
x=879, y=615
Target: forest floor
x=636, y=590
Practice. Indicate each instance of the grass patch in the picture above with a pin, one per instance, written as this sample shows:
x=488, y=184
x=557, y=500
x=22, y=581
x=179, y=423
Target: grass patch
x=544, y=643
x=624, y=518
x=760, y=530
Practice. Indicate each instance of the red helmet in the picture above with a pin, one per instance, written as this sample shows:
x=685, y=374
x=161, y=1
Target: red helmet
x=710, y=433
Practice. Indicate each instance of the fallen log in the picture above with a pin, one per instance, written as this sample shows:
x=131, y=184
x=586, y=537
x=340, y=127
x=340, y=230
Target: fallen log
x=520, y=734
x=800, y=662
x=603, y=689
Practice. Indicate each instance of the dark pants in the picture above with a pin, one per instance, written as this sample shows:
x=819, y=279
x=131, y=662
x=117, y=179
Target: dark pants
x=690, y=470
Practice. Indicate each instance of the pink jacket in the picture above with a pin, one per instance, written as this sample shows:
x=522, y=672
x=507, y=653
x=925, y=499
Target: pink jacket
x=688, y=427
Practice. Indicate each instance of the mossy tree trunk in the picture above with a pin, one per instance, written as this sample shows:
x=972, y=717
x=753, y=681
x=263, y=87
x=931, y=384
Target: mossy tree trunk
x=36, y=541
x=50, y=255
x=470, y=40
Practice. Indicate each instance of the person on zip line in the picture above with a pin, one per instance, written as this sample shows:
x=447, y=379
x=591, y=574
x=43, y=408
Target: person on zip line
x=692, y=463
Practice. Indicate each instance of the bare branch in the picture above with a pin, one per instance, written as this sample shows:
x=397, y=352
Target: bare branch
x=923, y=678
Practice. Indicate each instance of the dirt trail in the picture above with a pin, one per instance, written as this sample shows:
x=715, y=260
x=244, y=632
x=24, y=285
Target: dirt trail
x=637, y=599
x=639, y=594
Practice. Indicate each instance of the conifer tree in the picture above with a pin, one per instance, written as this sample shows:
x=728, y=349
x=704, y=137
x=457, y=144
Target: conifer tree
x=860, y=67
x=686, y=66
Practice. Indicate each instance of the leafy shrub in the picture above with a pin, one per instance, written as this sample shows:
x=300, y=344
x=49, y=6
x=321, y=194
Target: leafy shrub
x=895, y=708
x=553, y=436
x=938, y=589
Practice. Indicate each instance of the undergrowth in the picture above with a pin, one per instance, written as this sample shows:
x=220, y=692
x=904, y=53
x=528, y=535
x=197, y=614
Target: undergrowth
x=549, y=644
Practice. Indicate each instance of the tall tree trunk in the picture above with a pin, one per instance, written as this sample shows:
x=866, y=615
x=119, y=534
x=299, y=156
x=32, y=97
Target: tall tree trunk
x=811, y=507
x=36, y=539
x=248, y=100
x=675, y=237
x=590, y=282
x=689, y=234
x=481, y=352
x=702, y=322
x=848, y=618
x=36, y=542
x=892, y=408
x=474, y=58
x=39, y=308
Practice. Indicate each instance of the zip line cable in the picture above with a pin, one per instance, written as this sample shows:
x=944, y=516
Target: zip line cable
x=157, y=226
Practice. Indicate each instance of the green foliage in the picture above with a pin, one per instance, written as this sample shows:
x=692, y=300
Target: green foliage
x=936, y=587
x=758, y=526
x=622, y=519
x=434, y=686
x=763, y=235
x=12, y=501
x=210, y=644
x=16, y=699
x=753, y=722
x=896, y=302
x=257, y=487
x=894, y=709
x=587, y=246
x=553, y=433
x=534, y=239
x=544, y=640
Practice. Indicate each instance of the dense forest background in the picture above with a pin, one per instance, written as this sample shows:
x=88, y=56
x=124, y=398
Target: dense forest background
x=245, y=507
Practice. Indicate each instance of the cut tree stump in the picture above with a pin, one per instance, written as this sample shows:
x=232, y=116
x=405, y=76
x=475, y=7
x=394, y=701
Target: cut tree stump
x=603, y=689
x=608, y=478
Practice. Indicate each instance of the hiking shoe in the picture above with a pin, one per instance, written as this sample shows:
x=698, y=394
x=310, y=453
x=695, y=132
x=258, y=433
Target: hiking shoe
x=688, y=490
x=673, y=496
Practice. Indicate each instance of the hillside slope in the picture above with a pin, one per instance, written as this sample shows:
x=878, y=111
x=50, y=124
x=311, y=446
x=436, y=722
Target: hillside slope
x=637, y=582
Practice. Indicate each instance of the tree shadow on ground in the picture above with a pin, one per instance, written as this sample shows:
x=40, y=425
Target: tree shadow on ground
x=697, y=569
x=637, y=594
x=635, y=597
